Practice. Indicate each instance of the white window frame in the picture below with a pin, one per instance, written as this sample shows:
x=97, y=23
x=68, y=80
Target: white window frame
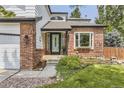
x=91, y=47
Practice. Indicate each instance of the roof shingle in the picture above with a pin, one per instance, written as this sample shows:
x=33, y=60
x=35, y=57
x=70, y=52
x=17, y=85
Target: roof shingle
x=68, y=25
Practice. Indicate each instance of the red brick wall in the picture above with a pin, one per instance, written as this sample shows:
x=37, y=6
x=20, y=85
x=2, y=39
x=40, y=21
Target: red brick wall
x=98, y=42
x=27, y=46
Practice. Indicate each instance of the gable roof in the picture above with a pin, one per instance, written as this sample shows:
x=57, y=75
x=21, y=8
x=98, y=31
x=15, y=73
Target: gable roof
x=67, y=25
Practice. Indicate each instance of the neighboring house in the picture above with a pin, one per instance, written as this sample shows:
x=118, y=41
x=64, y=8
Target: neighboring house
x=36, y=31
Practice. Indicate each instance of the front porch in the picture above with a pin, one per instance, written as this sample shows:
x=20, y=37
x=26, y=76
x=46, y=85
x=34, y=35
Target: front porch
x=55, y=38
x=55, y=43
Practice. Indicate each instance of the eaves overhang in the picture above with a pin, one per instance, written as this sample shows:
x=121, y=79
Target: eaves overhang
x=16, y=19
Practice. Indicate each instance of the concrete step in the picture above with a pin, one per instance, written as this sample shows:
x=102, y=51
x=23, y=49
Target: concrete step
x=52, y=61
x=52, y=57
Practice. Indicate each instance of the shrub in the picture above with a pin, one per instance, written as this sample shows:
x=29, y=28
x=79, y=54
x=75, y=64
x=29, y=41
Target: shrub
x=71, y=62
x=68, y=65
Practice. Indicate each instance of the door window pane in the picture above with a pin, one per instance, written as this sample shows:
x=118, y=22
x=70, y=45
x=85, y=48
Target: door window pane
x=55, y=41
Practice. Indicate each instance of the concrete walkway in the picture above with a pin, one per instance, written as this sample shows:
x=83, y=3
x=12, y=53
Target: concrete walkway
x=48, y=71
x=4, y=74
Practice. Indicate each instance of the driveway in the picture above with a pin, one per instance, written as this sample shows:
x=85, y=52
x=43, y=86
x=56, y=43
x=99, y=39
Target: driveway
x=4, y=74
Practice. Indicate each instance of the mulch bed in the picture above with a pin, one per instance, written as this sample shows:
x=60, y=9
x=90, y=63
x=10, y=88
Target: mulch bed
x=25, y=82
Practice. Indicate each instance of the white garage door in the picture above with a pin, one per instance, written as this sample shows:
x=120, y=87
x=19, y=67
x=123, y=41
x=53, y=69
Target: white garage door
x=9, y=47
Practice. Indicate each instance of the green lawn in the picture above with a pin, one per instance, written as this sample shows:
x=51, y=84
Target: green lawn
x=93, y=76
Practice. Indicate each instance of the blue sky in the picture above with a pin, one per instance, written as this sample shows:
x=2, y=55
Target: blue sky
x=89, y=10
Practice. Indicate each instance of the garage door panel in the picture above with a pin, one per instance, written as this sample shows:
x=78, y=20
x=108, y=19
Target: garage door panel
x=10, y=56
x=9, y=65
x=13, y=28
x=9, y=52
x=9, y=39
x=9, y=48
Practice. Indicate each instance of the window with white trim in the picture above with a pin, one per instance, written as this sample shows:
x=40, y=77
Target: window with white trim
x=83, y=39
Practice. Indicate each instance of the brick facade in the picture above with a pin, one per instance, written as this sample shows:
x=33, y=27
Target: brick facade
x=30, y=56
x=27, y=45
x=98, y=42
x=39, y=55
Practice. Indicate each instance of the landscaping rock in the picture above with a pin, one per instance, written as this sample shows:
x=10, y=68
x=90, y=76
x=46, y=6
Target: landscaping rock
x=25, y=82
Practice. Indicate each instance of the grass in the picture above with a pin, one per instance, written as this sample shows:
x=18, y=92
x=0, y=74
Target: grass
x=93, y=76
